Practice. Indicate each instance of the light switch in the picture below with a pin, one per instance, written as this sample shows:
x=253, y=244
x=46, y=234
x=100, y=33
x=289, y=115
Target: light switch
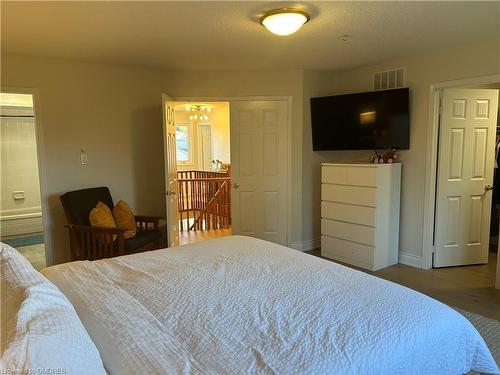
x=83, y=157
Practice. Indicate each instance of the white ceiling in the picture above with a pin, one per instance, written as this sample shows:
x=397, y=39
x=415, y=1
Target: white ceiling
x=227, y=35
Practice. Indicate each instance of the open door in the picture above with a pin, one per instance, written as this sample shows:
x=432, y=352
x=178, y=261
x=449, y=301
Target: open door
x=169, y=150
x=465, y=176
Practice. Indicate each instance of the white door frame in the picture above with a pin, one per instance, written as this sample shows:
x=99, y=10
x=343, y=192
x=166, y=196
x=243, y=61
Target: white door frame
x=288, y=190
x=432, y=157
x=40, y=153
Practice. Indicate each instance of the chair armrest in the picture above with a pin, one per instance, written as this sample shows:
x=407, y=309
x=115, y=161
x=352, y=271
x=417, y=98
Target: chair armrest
x=96, y=229
x=142, y=221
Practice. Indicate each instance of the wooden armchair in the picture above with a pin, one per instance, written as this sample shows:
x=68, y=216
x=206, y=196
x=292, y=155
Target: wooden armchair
x=90, y=242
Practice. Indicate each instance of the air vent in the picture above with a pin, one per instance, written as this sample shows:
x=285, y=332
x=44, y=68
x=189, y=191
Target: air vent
x=389, y=79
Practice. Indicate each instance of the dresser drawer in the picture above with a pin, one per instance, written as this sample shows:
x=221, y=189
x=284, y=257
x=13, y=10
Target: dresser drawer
x=360, y=195
x=345, y=175
x=362, y=176
x=331, y=174
x=346, y=251
x=348, y=231
x=349, y=213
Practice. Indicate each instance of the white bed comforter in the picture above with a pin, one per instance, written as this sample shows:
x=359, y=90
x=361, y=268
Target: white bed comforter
x=238, y=305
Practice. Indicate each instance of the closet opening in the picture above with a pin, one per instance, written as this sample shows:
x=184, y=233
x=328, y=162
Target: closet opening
x=21, y=218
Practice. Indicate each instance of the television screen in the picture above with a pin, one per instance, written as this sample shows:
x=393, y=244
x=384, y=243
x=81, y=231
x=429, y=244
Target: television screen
x=365, y=121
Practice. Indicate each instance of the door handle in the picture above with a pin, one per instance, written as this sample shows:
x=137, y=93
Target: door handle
x=168, y=193
x=236, y=185
x=488, y=187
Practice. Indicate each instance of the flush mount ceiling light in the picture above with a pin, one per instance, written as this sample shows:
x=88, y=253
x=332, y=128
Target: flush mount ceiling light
x=284, y=21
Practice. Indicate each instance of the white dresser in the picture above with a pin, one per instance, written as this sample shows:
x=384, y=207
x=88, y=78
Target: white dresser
x=360, y=213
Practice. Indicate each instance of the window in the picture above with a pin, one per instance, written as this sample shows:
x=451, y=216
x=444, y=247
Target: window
x=182, y=143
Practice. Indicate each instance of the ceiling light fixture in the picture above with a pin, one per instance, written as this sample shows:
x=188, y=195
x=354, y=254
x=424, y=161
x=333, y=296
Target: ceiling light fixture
x=284, y=21
x=198, y=112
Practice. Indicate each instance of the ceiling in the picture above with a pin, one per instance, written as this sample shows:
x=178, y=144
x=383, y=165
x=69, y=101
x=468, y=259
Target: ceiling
x=226, y=35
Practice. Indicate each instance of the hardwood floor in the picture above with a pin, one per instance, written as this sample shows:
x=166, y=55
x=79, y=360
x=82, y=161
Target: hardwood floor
x=470, y=288
x=192, y=236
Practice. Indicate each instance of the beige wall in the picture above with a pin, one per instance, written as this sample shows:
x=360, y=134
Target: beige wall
x=459, y=63
x=221, y=84
x=114, y=113
x=316, y=84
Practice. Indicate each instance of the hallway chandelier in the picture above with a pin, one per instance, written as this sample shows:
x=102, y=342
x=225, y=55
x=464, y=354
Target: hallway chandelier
x=198, y=112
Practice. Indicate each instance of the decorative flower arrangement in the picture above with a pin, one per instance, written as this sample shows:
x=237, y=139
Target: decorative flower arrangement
x=217, y=164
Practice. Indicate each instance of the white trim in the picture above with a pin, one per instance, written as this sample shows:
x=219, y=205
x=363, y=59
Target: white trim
x=410, y=260
x=20, y=226
x=230, y=98
x=315, y=243
x=288, y=138
x=497, y=280
x=20, y=216
x=49, y=258
x=289, y=169
x=431, y=160
x=430, y=179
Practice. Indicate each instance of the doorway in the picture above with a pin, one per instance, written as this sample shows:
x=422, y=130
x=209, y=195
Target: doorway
x=466, y=215
x=253, y=178
x=21, y=215
x=202, y=131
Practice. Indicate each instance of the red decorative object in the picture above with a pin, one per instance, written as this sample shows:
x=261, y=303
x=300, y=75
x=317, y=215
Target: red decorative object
x=390, y=156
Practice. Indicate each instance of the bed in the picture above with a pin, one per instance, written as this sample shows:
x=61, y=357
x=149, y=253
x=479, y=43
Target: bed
x=242, y=305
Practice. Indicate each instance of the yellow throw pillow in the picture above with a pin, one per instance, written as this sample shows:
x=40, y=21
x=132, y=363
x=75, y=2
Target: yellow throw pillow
x=125, y=219
x=101, y=216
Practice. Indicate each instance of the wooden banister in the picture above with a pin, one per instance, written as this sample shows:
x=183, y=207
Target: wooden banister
x=212, y=206
x=204, y=200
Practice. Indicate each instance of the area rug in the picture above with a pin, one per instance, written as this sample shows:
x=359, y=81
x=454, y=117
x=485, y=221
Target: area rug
x=489, y=329
x=33, y=239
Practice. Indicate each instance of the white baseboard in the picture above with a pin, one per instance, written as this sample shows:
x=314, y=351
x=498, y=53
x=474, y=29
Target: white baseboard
x=410, y=260
x=306, y=245
x=404, y=258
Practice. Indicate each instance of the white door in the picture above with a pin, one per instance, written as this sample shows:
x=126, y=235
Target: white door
x=205, y=154
x=465, y=174
x=171, y=188
x=259, y=169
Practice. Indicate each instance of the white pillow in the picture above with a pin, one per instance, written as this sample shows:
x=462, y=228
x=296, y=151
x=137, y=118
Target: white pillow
x=40, y=330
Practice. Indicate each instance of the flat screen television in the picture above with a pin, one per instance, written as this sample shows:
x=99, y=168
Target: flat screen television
x=364, y=121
